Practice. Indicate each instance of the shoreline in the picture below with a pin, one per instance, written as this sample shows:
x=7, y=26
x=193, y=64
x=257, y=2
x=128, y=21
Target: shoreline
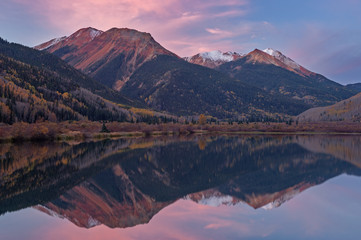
x=85, y=130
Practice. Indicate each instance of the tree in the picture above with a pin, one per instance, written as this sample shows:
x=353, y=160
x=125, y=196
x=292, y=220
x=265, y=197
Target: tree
x=202, y=119
x=104, y=128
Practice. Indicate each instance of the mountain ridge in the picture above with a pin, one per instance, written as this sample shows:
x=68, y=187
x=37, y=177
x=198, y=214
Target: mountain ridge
x=133, y=63
x=111, y=56
x=346, y=110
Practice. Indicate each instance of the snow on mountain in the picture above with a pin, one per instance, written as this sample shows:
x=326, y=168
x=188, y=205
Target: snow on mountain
x=213, y=59
x=217, y=56
x=284, y=198
x=50, y=43
x=213, y=198
x=94, y=33
x=269, y=51
x=216, y=201
x=286, y=60
x=82, y=36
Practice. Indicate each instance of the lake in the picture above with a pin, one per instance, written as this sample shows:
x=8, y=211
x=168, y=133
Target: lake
x=194, y=187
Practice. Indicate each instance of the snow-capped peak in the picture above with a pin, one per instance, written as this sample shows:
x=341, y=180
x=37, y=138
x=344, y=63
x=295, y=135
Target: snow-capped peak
x=216, y=201
x=94, y=33
x=270, y=51
x=52, y=42
x=213, y=200
x=84, y=32
x=286, y=60
x=217, y=56
x=284, y=198
x=214, y=58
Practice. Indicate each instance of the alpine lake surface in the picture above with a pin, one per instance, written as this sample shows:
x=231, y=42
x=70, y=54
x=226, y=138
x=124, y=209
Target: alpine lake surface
x=191, y=187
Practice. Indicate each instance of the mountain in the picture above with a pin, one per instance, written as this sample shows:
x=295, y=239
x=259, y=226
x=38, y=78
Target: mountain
x=346, y=110
x=354, y=87
x=213, y=59
x=110, y=57
x=260, y=85
x=167, y=83
x=134, y=63
x=278, y=74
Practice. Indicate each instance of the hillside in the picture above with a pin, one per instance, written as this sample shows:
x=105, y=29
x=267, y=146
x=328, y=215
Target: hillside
x=53, y=64
x=260, y=69
x=109, y=57
x=31, y=94
x=354, y=87
x=346, y=110
x=170, y=84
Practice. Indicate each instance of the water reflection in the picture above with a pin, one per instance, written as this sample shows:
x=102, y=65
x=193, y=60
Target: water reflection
x=123, y=183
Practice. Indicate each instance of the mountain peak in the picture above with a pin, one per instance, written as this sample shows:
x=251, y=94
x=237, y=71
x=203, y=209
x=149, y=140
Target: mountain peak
x=275, y=57
x=258, y=56
x=88, y=33
x=77, y=39
x=213, y=59
x=270, y=51
x=288, y=61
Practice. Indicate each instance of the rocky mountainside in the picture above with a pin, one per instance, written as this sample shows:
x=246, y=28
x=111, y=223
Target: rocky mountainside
x=275, y=73
x=346, y=110
x=110, y=57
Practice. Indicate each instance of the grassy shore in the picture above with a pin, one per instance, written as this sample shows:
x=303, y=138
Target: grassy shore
x=86, y=129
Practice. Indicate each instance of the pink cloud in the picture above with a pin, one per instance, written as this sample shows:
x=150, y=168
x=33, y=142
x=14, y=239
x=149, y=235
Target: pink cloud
x=170, y=22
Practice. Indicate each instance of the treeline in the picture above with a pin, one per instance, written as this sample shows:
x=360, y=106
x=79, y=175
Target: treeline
x=30, y=94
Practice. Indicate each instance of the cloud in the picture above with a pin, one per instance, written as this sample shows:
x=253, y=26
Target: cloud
x=218, y=31
x=170, y=22
x=335, y=53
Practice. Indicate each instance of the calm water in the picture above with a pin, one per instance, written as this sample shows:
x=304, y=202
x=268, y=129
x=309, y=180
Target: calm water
x=245, y=187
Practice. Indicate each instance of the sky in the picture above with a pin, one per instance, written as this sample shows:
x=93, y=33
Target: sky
x=323, y=36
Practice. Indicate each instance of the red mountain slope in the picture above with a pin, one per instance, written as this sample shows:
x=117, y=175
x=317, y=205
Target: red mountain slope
x=110, y=57
x=289, y=62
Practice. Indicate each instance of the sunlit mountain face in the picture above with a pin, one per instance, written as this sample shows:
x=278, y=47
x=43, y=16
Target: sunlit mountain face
x=123, y=183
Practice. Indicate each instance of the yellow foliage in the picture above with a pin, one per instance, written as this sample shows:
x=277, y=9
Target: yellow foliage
x=144, y=112
x=66, y=95
x=202, y=119
x=141, y=145
x=202, y=144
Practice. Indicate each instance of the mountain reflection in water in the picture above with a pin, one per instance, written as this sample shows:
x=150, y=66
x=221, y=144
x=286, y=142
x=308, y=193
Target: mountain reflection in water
x=123, y=183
